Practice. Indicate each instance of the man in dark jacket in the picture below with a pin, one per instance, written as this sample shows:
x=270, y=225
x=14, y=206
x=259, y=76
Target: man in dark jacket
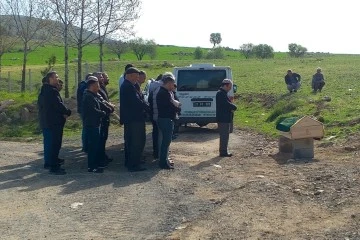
x=79, y=97
x=132, y=109
x=292, y=81
x=224, y=113
x=105, y=121
x=91, y=116
x=53, y=114
x=318, y=81
x=167, y=112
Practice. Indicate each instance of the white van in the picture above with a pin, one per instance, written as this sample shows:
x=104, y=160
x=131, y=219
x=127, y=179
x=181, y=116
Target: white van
x=197, y=86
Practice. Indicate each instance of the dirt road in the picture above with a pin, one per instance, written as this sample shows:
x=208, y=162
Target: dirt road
x=257, y=194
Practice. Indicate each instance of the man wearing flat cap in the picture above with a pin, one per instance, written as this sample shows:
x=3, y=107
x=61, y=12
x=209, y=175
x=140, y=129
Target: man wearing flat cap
x=224, y=115
x=132, y=109
x=92, y=115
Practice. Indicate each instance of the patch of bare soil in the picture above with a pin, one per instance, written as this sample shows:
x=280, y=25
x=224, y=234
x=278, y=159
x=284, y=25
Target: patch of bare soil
x=256, y=194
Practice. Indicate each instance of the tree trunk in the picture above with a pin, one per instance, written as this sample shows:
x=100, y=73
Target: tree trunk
x=101, y=45
x=66, y=49
x=80, y=40
x=66, y=66
x=0, y=64
x=79, y=61
x=23, y=74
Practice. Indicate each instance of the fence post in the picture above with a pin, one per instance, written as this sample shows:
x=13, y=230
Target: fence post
x=86, y=68
x=9, y=82
x=30, y=85
x=76, y=80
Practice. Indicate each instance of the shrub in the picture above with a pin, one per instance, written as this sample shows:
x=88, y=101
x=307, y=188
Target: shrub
x=216, y=53
x=198, y=53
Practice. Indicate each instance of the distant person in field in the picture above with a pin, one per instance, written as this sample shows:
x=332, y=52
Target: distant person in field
x=292, y=81
x=318, y=81
x=224, y=115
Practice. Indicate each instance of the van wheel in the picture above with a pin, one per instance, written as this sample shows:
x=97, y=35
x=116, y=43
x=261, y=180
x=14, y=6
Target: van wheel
x=202, y=124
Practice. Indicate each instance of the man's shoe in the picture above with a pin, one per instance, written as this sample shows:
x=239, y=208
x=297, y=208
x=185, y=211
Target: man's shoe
x=108, y=159
x=225, y=155
x=136, y=169
x=61, y=161
x=96, y=170
x=57, y=172
x=166, y=166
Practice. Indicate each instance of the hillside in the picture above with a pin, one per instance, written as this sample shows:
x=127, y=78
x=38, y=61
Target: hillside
x=8, y=26
x=262, y=96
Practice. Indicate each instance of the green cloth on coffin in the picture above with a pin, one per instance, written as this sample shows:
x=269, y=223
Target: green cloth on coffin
x=286, y=124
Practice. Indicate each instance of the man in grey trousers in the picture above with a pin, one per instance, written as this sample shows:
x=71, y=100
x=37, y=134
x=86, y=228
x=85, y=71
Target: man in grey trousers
x=224, y=113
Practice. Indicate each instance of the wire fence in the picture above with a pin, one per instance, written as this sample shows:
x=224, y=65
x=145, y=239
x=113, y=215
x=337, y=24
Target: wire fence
x=10, y=81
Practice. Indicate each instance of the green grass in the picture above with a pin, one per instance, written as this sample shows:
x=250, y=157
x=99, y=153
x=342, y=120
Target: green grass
x=262, y=95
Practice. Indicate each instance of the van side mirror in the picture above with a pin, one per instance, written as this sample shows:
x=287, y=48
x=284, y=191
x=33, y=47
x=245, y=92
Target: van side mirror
x=235, y=88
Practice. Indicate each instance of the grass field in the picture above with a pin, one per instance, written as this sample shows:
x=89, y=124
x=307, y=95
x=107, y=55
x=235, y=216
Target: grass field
x=262, y=96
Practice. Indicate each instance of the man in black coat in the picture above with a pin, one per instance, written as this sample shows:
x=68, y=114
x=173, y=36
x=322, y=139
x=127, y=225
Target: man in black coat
x=79, y=96
x=92, y=115
x=52, y=116
x=132, y=109
x=224, y=113
x=292, y=81
x=105, y=121
x=167, y=112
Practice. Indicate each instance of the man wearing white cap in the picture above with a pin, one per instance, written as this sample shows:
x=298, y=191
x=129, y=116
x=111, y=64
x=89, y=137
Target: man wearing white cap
x=224, y=113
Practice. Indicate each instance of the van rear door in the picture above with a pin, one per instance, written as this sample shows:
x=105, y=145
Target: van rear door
x=196, y=90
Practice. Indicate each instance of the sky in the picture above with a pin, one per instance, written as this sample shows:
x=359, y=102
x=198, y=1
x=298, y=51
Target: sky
x=319, y=25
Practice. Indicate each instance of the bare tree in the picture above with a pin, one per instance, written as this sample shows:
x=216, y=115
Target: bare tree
x=7, y=39
x=31, y=21
x=82, y=30
x=118, y=47
x=141, y=47
x=66, y=11
x=114, y=16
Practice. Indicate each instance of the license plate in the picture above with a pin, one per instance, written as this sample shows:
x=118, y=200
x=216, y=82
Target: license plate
x=202, y=104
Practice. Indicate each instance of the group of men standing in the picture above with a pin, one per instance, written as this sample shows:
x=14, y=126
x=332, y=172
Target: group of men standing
x=162, y=108
x=94, y=107
x=293, y=81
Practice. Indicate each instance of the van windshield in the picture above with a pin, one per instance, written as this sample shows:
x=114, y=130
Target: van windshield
x=200, y=80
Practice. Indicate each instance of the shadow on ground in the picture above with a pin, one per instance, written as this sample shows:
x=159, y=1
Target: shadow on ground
x=207, y=134
x=287, y=158
x=31, y=176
